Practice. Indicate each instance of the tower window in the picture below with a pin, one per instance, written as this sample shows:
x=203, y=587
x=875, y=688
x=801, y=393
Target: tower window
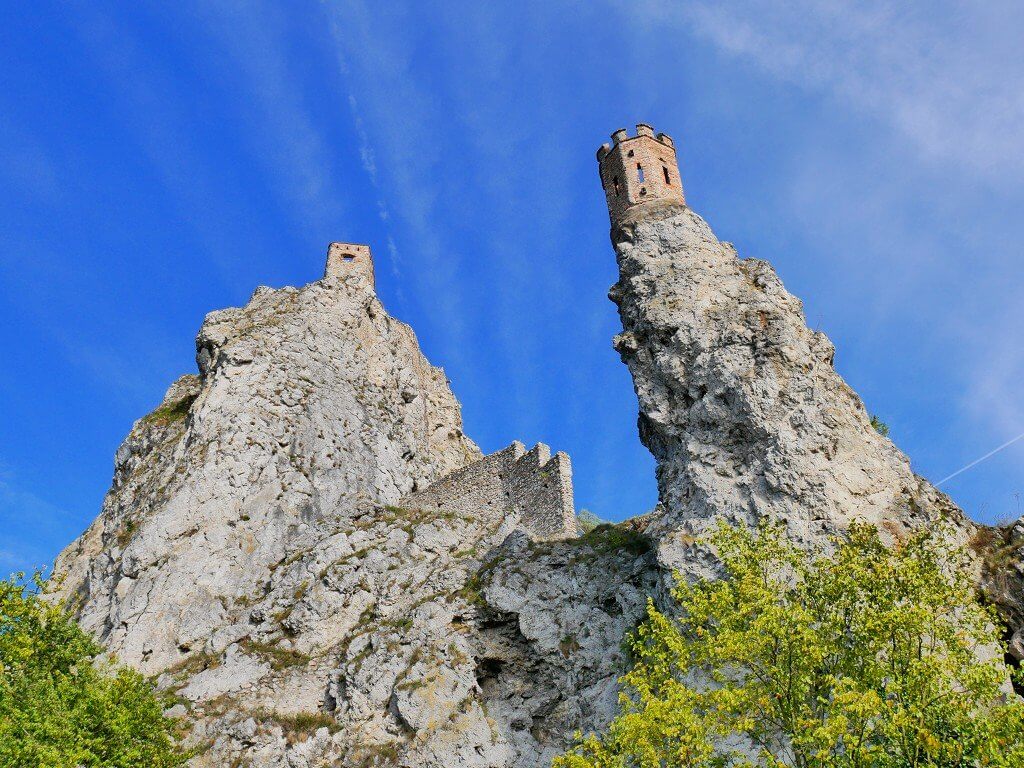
x=347, y=257
x=640, y=173
x=615, y=182
x=668, y=179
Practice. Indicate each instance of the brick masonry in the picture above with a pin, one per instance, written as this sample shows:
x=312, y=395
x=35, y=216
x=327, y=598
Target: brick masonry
x=639, y=170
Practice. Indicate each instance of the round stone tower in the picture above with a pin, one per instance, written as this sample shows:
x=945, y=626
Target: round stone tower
x=639, y=170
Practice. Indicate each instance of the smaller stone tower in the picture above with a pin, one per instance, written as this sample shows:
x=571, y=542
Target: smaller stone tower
x=639, y=170
x=346, y=258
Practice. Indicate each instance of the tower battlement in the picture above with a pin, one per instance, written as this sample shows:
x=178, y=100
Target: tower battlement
x=638, y=170
x=346, y=258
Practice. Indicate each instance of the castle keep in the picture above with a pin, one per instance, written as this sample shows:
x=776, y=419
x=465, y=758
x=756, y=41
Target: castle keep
x=638, y=171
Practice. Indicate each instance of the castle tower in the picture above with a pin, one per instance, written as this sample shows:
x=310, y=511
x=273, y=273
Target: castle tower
x=639, y=170
x=346, y=258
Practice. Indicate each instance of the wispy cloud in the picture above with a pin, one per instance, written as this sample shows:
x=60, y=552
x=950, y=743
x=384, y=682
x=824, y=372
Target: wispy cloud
x=366, y=151
x=947, y=75
x=291, y=142
x=387, y=100
x=284, y=140
x=456, y=177
x=368, y=159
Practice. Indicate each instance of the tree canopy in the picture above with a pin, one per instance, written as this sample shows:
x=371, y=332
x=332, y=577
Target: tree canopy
x=866, y=657
x=59, y=708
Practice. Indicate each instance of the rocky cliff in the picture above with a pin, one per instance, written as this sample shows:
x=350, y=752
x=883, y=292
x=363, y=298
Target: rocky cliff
x=309, y=405
x=276, y=550
x=304, y=547
x=739, y=400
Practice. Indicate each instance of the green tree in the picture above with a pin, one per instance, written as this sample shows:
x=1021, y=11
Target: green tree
x=58, y=707
x=869, y=657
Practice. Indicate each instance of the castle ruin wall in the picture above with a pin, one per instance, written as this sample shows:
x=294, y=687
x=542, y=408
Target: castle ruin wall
x=541, y=491
x=532, y=487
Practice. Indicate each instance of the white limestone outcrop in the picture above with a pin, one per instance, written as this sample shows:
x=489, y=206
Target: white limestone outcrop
x=302, y=544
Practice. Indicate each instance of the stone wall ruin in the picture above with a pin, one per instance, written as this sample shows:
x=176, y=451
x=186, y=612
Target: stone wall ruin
x=532, y=486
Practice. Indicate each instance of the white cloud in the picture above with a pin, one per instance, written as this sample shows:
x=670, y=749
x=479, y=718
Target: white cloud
x=947, y=75
x=406, y=129
x=366, y=154
x=289, y=141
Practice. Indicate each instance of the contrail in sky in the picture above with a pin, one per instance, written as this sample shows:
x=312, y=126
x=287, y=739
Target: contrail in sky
x=1007, y=444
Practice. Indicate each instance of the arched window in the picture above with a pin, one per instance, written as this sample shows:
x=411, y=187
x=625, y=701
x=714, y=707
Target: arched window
x=640, y=173
x=668, y=179
x=615, y=181
x=346, y=257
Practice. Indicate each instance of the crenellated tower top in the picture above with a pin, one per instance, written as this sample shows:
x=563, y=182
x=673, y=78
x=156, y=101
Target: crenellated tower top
x=638, y=170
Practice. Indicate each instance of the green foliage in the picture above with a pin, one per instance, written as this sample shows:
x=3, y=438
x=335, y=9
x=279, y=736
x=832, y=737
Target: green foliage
x=279, y=658
x=168, y=414
x=56, y=708
x=298, y=725
x=867, y=658
x=607, y=538
x=473, y=591
x=879, y=426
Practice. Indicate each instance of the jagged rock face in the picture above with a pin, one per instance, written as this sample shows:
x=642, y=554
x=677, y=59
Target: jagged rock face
x=1001, y=551
x=305, y=547
x=550, y=630
x=310, y=404
x=275, y=549
x=739, y=401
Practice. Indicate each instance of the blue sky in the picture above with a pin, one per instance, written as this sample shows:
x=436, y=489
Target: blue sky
x=160, y=160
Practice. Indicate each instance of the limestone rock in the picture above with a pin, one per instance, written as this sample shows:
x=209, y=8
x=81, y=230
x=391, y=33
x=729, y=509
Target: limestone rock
x=1001, y=551
x=303, y=545
x=739, y=400
x=294, y=540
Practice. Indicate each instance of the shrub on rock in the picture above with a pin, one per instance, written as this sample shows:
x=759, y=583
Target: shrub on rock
x=868, y=656
x=58, y=706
